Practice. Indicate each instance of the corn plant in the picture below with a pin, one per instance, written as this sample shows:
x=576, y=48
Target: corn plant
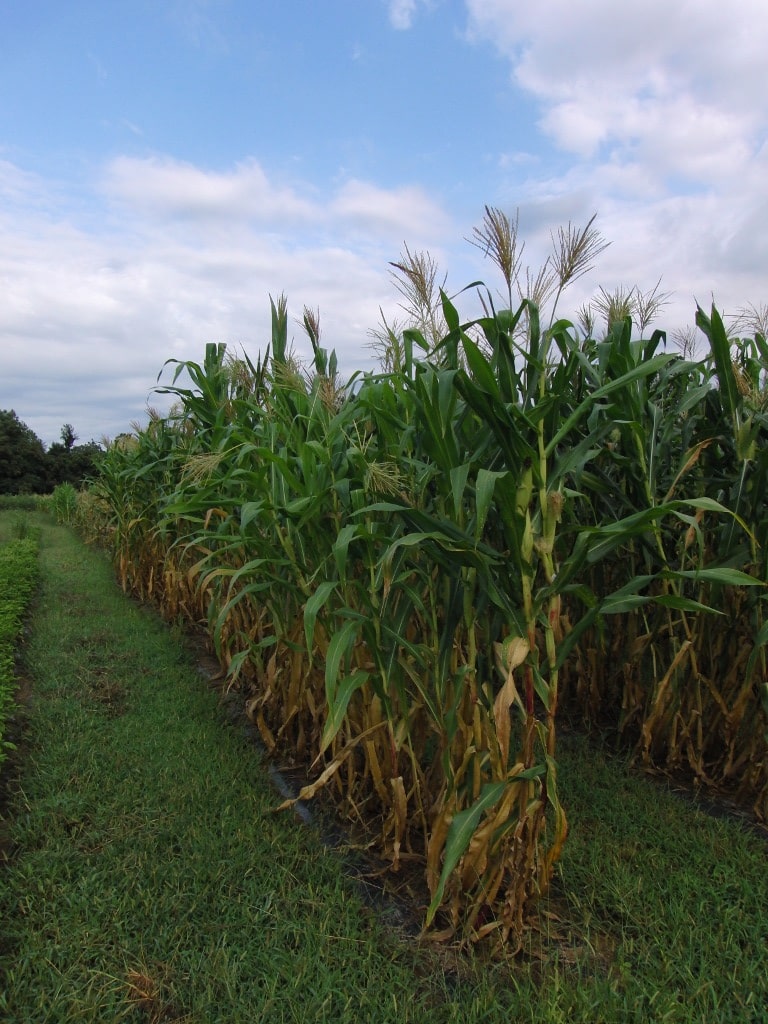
x=680, y=675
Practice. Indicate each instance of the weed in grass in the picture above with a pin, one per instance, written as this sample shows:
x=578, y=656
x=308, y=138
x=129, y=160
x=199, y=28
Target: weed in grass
x=64, y=503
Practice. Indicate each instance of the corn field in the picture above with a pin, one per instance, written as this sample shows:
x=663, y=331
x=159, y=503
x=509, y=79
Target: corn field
x=405, y=575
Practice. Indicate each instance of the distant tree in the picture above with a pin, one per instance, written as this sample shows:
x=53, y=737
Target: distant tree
x=68, y=436
x=57, y=459
x=69, y=463
x=85, y=460
x=23, y=461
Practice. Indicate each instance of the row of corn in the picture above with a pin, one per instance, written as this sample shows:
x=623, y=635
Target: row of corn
x=406, y=575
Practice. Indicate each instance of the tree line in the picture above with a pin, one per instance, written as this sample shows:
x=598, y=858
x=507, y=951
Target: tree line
x=26, y=467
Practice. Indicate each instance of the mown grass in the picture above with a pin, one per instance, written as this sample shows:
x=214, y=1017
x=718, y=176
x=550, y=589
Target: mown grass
x=151, y=882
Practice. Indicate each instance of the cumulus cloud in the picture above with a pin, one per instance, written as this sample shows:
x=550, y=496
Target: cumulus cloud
x=175, y=256
x=660, y=113
x=401, y=13
x=178, y=189
x=171, y=190
x=631, y=73
x=399, y=213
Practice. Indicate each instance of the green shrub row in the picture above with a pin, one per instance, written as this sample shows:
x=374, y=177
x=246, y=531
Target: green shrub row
x=23, y=502
x=18, y=578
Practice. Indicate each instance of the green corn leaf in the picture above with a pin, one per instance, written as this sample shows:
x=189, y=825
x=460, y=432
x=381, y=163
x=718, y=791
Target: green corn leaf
x=693, y=397
x=443, y=530
x=449, y=312
x=341, y=644
x=235, y=666
x=481, y=369
x=442, y=549
x=484, y=488
x=508, y=319
x=721, y=353
x=249, y=511
x=312, y=608
x=460, y=833
x=616, y=605
x=710, y=505
x=685, y=604
x=574, y=459
x=463, y=826
x=636, y=584
x=608, y=537
x=226, y=609
x=645, y=369
x=299, y=505
x=707, y=504
x=337, y=708
x=412, y=337
x=746, y=440
x=341, y=546
x=728, y=577
x=541, y=686
x=459, y=476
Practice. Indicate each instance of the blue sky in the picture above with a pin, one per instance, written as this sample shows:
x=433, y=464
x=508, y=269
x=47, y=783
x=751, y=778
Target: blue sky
x=166, y=166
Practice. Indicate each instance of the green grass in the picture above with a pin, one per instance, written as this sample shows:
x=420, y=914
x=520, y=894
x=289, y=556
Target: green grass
x=151, y=882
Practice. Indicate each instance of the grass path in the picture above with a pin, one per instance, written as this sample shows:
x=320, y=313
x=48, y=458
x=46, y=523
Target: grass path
x=152, y=883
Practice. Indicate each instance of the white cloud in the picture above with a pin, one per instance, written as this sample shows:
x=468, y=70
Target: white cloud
x=177, y=189
x=405, y=212
x=660, y=108
x=657, y=74
x=17, y=187
x=179, y=256
x=401, y=13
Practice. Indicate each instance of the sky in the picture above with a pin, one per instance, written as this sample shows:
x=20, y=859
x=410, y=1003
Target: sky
x=168, y=165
